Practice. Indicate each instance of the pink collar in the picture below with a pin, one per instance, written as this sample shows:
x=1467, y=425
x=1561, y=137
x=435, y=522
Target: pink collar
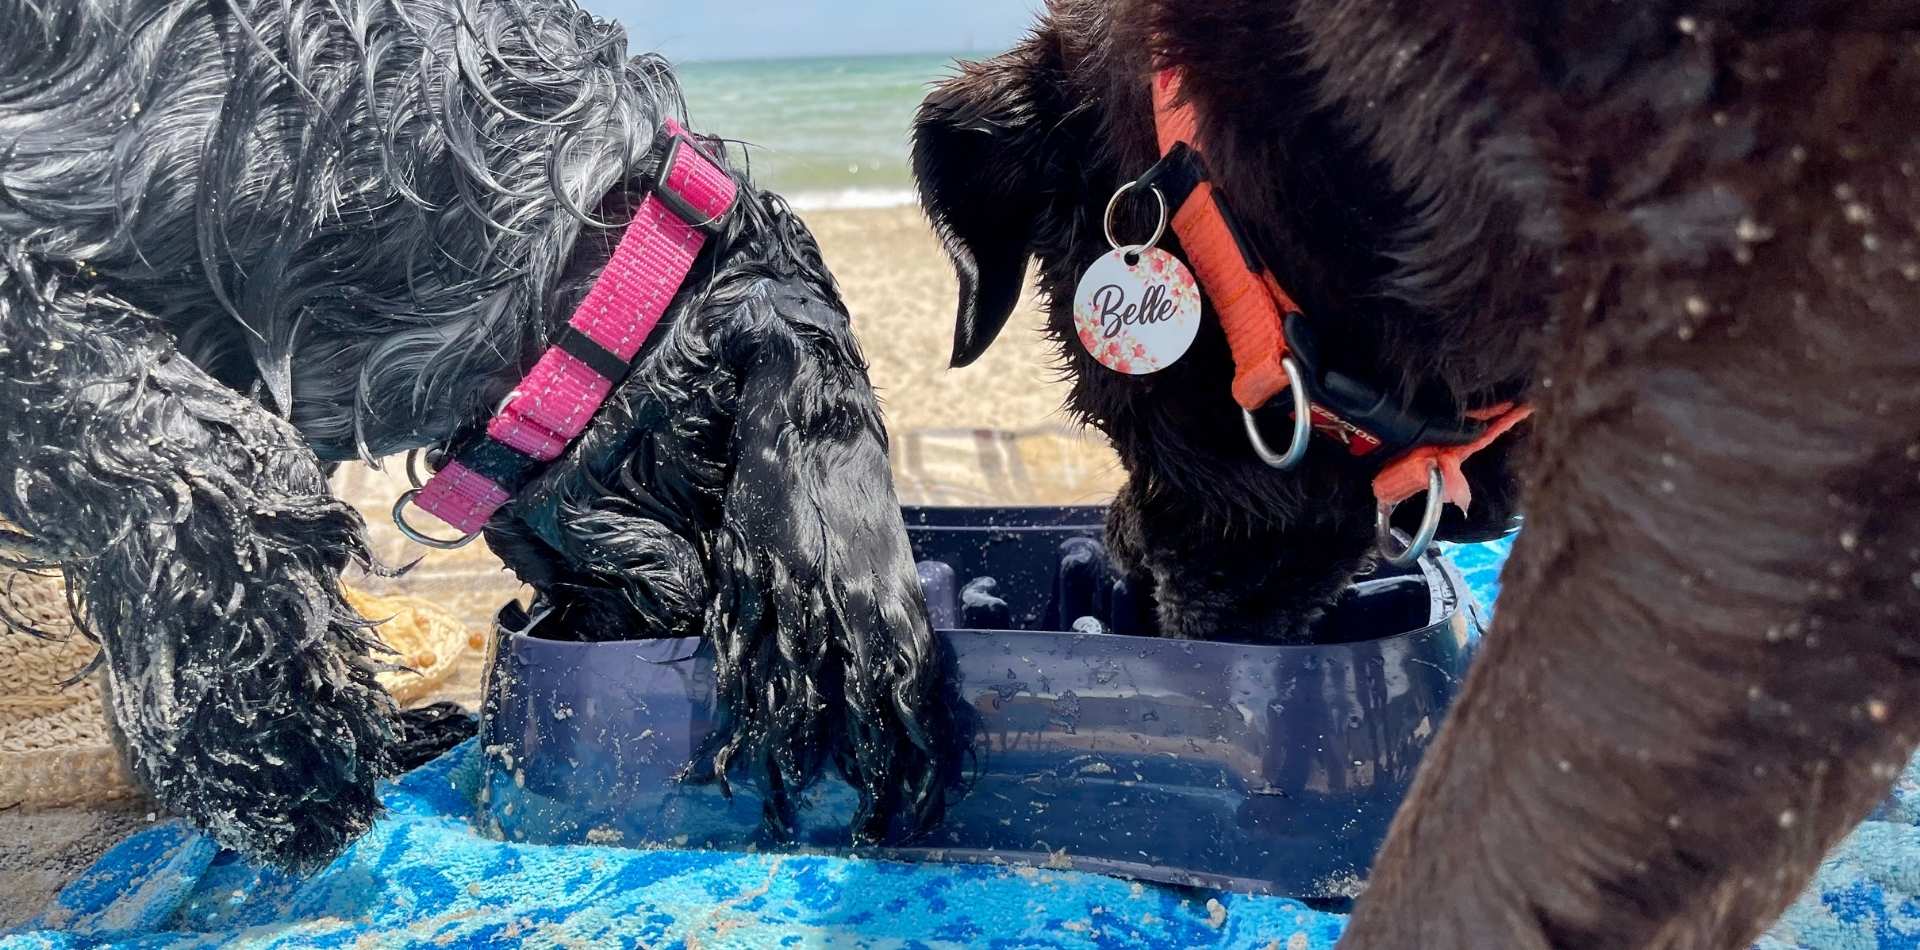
x=689, y=202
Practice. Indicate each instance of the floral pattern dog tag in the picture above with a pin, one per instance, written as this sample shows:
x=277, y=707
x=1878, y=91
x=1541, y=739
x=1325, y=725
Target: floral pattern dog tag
x=1137, y=310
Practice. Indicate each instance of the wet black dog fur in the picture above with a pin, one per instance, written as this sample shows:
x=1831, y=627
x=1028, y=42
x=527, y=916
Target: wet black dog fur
x=1689, y=235
x=241, y=243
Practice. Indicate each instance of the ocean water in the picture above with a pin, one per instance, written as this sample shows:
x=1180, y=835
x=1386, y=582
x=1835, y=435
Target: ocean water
x=826, y=133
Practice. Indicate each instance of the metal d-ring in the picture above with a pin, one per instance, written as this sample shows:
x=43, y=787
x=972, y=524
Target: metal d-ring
x=400, y=521
x=1429, y=524
x=413, y=478
x=1159, y=229
x=1302, y=424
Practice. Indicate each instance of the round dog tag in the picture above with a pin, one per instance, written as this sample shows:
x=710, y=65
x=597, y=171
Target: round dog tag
x=1137, y=310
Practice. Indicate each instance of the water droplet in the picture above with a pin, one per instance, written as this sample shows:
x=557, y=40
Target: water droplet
x=1752, y=232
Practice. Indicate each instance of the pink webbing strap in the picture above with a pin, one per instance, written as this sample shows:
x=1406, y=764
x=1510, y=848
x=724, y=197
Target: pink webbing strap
x=559, y=396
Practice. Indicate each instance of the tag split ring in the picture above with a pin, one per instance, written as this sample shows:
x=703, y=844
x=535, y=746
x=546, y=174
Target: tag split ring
x=1159, y=229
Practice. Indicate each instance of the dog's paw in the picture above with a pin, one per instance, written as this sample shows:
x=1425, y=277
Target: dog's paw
x=289, y=783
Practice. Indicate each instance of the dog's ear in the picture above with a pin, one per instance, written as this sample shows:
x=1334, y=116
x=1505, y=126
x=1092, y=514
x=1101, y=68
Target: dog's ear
x=983, y=154
x=824, y=653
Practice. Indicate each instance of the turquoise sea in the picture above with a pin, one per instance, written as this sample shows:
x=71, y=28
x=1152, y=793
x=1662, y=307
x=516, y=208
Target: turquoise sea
x=827, y=133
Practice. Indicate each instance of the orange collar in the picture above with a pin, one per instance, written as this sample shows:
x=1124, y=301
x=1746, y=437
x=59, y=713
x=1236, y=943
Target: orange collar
x=1256, y=314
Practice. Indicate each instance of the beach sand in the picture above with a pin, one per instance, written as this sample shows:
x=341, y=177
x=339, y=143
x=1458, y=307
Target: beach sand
x=989, y=433
x=901, y=291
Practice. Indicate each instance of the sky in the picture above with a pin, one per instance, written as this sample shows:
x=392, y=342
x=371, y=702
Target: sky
x=688, y=30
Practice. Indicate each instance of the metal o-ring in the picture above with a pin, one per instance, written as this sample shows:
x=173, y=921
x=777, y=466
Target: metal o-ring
x=1429, y=524
x=1159, y=228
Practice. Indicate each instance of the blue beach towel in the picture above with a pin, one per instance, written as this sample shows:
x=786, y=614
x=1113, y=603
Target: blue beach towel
x=423, y=878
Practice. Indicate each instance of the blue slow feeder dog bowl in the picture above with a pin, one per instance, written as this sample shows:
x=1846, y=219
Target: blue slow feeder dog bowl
x=1268, y=769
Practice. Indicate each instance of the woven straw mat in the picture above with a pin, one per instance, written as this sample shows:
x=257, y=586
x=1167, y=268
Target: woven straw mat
x=54, y=744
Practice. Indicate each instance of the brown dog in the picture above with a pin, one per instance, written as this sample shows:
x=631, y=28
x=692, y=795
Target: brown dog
x=1684, y=234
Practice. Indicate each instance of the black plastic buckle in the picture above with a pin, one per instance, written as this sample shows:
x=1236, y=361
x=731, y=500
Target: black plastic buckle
x=685, y=210
x=1368, y=407
x=1177, y=174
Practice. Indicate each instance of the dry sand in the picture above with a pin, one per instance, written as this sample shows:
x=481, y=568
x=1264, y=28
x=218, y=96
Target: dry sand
x=902, y=294
x=990, y=433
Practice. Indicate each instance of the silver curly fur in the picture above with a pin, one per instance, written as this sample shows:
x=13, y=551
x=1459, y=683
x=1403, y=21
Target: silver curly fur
x=243, y=241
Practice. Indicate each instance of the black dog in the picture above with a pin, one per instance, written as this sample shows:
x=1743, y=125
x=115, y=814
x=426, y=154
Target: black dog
x=243, y=242
x=1686, y=235
x=1018, y=157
